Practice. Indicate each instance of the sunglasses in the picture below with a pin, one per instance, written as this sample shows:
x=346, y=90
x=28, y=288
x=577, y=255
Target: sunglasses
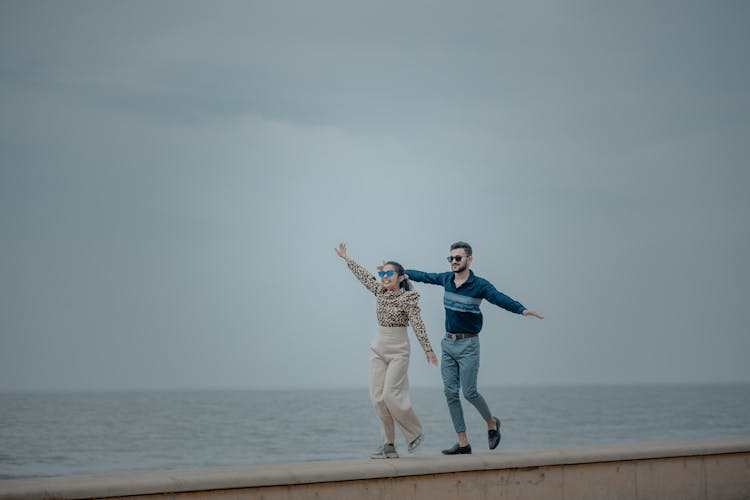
x=457, y=258
x=388, y=273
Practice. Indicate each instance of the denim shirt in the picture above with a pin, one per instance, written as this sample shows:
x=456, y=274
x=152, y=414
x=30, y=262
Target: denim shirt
x=462, y=313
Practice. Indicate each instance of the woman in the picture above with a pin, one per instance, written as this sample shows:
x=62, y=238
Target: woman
x=397, y=305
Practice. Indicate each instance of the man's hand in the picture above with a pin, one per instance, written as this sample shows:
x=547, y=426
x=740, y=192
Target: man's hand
x=529, y=312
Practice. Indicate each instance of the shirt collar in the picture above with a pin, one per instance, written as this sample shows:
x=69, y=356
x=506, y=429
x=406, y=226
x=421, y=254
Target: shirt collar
x=470, y=279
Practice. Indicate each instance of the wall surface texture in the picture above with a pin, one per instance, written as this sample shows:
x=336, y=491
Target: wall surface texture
x=707, y=469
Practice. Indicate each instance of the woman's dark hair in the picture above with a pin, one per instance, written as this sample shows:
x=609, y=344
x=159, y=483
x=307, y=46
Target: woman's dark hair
x=406, y=284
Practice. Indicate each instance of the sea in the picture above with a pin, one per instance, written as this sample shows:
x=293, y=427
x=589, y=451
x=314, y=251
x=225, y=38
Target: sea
x=84, y=433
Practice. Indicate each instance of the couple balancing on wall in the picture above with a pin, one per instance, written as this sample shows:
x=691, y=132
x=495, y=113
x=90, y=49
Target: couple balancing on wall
x=397, y=306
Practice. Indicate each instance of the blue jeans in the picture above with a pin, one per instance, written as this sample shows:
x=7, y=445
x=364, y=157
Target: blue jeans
x=459, y=366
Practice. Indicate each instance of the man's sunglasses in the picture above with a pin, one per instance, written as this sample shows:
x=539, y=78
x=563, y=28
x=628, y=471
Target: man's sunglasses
x=457, y=258
x=388, y=273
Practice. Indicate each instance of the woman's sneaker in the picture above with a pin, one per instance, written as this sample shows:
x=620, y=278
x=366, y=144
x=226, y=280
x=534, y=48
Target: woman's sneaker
x=415, y=444
x=385, y=451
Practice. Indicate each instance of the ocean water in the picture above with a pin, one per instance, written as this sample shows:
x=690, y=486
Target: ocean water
x=93, y=433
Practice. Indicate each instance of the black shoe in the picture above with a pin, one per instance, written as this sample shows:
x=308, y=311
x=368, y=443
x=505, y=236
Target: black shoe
x=458, y=450
x=493, y=435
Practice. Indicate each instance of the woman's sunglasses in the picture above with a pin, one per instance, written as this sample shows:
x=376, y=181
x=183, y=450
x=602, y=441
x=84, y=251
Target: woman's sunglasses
x=388, y=273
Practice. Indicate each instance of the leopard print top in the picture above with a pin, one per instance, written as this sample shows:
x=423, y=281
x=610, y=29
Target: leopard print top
x=394, y=308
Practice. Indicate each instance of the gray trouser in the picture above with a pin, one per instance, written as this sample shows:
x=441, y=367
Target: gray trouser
x=460, y=366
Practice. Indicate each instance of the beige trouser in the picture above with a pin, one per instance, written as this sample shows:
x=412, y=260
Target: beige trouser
x=389, y=383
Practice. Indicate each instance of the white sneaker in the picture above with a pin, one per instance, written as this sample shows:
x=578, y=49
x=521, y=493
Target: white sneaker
x=415, y=444
x=385, y=451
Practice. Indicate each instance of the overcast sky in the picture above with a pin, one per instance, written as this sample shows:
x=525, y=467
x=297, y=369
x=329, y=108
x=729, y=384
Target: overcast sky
x=175, y=175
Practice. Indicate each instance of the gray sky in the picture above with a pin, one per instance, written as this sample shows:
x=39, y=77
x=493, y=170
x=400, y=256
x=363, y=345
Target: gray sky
x=174, y=176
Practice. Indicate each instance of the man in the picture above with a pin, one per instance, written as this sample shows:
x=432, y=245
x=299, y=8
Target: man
x=459, y=365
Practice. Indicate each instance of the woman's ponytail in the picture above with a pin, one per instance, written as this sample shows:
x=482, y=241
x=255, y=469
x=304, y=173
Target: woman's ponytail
x=406, y=284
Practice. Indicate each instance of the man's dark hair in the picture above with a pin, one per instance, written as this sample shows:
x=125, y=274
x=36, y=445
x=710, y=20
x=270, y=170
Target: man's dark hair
x=462, y=244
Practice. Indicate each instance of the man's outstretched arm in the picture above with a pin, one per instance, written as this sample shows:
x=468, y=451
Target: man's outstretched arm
x=430, y=278
x=492, y=295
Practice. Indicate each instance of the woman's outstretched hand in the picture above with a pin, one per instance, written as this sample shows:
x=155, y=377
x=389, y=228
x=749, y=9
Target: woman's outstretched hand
x=431, y=358
x=341, y=251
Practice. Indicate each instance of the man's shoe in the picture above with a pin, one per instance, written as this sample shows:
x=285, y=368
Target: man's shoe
x=415, y=444
x=493, y=435
x=385, y=451
x=458, y=450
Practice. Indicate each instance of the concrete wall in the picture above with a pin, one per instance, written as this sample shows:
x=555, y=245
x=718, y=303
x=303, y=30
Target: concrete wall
x=708, y=469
